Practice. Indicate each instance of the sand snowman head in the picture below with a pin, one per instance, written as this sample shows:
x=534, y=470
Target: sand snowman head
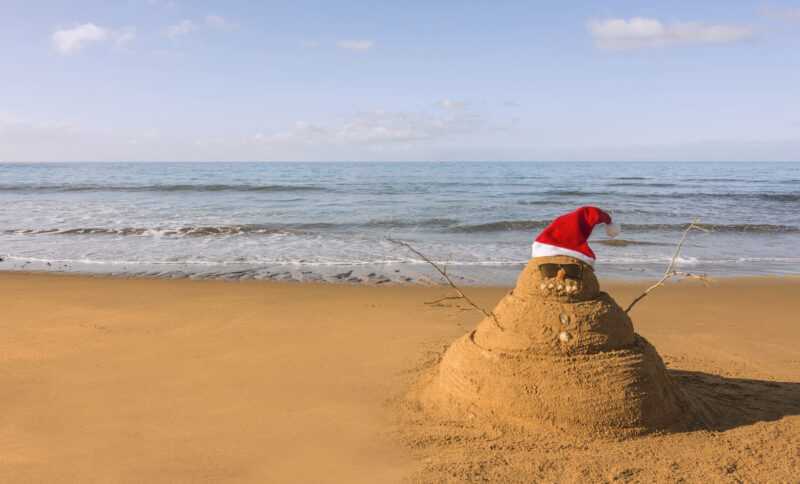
x=559, y=278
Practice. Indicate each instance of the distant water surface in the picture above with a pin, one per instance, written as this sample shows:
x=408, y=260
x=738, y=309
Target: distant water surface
x=331, y=221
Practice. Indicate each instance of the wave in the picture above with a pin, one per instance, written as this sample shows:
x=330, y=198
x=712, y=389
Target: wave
x=573, y=193
x=519, y=225
x=239, y=229
x=434, y=224
x=645, y=185
x=624, y=242
x=161, y=188
x=395, y=223
x=686, y=195
x=739, y=180
x=559, y=193
x=730, y=228
x=191, y=231
x=718, y=180
x=766, y=196
x=502, y=226
x=540, y=202
x=780, y=197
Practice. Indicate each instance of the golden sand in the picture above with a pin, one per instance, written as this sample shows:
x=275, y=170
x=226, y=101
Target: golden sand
x=114, y=380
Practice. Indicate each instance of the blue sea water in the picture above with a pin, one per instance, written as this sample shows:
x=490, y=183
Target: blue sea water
x=333, y=221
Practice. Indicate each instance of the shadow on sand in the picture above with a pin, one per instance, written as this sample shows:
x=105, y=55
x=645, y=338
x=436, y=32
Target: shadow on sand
x=735, y=402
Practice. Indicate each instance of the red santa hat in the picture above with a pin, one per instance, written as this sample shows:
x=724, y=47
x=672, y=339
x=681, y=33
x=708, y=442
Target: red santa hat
x=569, y=234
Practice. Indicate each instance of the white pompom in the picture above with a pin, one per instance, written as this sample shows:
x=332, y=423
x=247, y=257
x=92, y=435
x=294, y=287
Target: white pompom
x=612, y=230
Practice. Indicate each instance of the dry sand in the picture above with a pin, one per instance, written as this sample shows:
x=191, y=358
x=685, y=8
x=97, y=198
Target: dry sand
x=113, y=380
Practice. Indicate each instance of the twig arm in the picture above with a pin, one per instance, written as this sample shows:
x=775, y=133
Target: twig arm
x=671, y=271
x=443, y=273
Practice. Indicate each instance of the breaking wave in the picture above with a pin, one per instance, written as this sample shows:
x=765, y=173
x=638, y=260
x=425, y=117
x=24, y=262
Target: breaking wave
x=767, y=196
x=440, y=224
x=516, y=225
x=624, y=242
x=729, y=228
x=161, y=188
x=239, y=229
x=200, y=231
x=502, y=226
x=395, y=223
x=642, y=184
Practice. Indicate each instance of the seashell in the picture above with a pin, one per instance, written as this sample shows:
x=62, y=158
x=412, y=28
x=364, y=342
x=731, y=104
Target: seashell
x=564, y=318
x=564, y=336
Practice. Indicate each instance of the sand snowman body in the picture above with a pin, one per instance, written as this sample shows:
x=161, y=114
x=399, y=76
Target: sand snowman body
x=560, y=353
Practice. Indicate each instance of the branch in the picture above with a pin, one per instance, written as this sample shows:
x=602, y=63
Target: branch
x=443, y=273
x=442, y=299
x=671, y=271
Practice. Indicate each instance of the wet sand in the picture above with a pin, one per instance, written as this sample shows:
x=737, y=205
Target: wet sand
x=138, y=380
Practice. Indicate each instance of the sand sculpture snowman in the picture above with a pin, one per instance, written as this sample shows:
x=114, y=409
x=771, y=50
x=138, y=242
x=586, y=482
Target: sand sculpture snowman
x=559, y=352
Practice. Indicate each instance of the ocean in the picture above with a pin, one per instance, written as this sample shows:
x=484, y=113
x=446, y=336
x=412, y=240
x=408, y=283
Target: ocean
x=335, y=221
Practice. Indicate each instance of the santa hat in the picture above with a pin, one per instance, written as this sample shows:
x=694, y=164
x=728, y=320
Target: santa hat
x=569, y=234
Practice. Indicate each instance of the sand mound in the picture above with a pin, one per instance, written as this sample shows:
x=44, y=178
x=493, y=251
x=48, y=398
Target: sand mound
x=560, y=353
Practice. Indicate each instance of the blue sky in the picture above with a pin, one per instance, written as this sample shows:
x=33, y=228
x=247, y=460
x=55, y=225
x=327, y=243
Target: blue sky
x=414, y=80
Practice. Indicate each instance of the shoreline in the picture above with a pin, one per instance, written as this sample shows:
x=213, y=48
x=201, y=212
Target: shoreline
x=614, y=280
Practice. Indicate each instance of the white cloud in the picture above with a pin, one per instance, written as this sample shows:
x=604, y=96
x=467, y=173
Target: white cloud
x=639, y=32
x=355, y=45
x=181, y=28
x=68, y=41
x=210, y=22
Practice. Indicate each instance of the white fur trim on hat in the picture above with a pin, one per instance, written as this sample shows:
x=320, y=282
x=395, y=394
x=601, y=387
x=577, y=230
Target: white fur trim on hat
x=544, y=250
x=612, y=230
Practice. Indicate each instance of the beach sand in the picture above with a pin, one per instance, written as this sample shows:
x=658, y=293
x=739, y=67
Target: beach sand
x=138, y=380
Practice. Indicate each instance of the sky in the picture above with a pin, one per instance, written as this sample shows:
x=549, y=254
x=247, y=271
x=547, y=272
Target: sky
x=180, y=80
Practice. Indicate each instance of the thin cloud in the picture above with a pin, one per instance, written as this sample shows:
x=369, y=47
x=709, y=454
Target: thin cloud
x=378, y=128
x=70, y=41
x=218, y=22
x=124, y=36
x=188, y=26
x=184, y=27
x=356, y=45
x=640, y=32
